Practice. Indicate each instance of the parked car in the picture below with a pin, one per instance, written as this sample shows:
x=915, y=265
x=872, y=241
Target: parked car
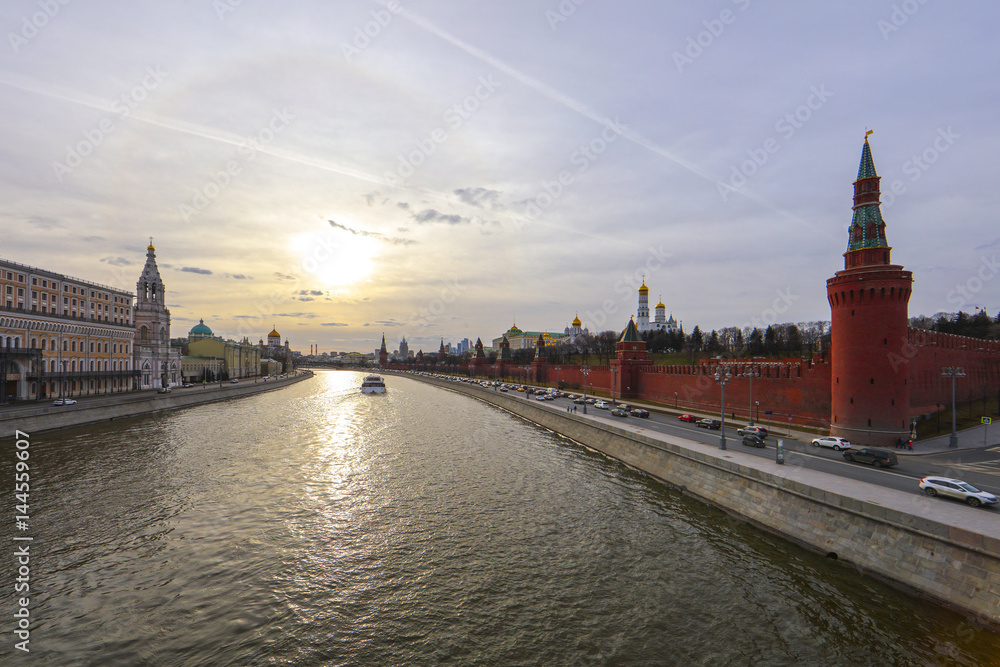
x=578, y=400
x=591, y=401
x=755, y=430
x=753, y=440
x=880, y=458
x=830, y=441
x=688, y=418
x=639, y=412
x=234, y=381
x=713, y=424
x=620, y=412
x=957, y=489
x=64, y=401
x=602, y=405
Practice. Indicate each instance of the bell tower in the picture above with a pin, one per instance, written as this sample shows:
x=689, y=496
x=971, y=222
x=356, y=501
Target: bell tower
x=870, y=396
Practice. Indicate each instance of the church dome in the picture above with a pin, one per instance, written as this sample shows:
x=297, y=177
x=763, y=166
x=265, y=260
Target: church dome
x=576, y=322
x=274, y=334
x=514, y=331
x=200, y=329
x=661, y=304
x=643, y=289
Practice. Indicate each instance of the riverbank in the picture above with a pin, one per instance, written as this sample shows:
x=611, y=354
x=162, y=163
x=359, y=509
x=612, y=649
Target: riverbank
x=44, y=416
x=945, y=551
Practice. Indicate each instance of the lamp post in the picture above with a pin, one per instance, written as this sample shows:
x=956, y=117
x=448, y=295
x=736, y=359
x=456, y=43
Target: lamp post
x=723, y=379
x=675, y=400
x=586, y=372
x=750, y=373
x=953, y=372
x=614, y=376
x=757, y=404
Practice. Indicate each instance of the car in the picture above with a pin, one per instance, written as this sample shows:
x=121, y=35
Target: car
x=64, y=401
x=602, y=405
x=830, y=441
x=503, y=389
x=755, y=430
x=579, y=400
x=880, y=458
x=540, y=397
x=591, y=401
x=639, y=412
x=688, y=418
x=234, y=381
x=957, y=489
x=713, y=424
x=186, y=385
x=620, y=412
x=753, y=440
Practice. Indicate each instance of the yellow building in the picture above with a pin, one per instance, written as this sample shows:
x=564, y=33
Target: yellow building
x=239, y=359
x=62, y=336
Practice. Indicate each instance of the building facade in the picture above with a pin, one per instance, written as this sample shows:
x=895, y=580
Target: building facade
x=62, y=336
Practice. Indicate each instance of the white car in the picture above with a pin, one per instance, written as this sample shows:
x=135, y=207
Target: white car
x=602, y=405
x=956, y=488
x=830, y=441
x=64, y=401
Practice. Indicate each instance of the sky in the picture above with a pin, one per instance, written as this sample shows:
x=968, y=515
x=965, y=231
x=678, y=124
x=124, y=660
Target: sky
x=445, y=169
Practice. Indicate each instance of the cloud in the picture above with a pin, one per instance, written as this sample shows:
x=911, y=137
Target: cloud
x=195, y=269
x=403, y=205
x=116, y=261
x=304, y=298
x=46, y=223
x=432, y=215
x=333, y=324
x=296, y=315
x=238, y=276
x=480, y=197
x=92, y=239
x=311, y=292
x=283, y=276
x=389, y=323
x=375, y=235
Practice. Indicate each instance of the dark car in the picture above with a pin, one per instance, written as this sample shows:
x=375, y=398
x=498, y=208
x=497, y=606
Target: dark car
x=880, y=458
x=713, y=424
x=639, y=412
x=620, y=412
x=753, y=440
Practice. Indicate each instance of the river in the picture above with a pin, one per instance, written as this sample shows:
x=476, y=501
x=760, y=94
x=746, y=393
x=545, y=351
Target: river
x=314, y=525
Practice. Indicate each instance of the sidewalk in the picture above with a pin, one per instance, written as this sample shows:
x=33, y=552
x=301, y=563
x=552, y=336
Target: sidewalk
x=977, y=437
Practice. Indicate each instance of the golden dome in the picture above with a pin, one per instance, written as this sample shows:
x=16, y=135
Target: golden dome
x=643, y=289
x=576, y=322
x=274, y=334
x=150, y=244
x=660, y=304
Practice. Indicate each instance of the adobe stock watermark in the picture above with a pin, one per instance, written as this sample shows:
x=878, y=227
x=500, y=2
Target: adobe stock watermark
x=217, y=183
x=565, y=9
x=627, y=286
x=581, y=158
x=699, y=42
x=919, y=164
x=900, y=16
x=32, y=25
x=124, y=105
x=786, y=126
x=964, y=293
x=781, y=304
x=363, y=35
x=436, y=308
x=454, y=117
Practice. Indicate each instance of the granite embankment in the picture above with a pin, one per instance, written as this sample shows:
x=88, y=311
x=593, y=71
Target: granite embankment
x=943, y=550
x=44, y=416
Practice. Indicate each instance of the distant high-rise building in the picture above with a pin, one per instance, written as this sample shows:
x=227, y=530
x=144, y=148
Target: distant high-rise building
x=404, y=349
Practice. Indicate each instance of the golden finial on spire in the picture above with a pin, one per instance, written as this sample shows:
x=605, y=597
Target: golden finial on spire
x=150, y=244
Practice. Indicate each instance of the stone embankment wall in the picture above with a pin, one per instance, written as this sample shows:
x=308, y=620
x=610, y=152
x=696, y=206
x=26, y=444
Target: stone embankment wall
x=883, y=531
x=43, y=416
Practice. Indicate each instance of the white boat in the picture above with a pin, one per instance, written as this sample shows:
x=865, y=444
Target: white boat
x=372, y=384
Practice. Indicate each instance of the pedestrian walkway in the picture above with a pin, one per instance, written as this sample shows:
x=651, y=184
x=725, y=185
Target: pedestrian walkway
x=977, y=437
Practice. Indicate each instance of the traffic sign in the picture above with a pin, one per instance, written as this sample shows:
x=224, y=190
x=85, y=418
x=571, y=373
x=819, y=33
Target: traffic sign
x=987, y=420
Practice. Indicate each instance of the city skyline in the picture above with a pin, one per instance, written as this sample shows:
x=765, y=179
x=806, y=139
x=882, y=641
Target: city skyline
x=427, y=172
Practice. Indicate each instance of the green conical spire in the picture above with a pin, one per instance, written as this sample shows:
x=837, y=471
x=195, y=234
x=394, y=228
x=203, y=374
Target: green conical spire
x=505, y=350
x=631, y=334
x=867, y=167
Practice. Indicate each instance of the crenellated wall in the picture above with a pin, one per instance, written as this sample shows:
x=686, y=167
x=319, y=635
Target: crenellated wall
x=926, y=353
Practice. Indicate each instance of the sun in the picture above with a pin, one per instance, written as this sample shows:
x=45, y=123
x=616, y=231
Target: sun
x=336, y=260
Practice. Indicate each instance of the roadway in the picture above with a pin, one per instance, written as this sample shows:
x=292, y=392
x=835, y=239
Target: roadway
x=980, y=467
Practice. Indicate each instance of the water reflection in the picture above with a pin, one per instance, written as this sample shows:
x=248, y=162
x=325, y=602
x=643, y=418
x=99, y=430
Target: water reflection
x=317, y=525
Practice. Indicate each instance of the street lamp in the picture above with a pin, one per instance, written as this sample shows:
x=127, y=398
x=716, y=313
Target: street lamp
x=757, y=403
x=953, y=372
x=614, y=376
x=586, y=372
x=751, y=372
x=675, y=400
x=723, y=380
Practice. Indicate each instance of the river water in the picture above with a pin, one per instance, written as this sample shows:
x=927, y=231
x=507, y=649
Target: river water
x=315, y=525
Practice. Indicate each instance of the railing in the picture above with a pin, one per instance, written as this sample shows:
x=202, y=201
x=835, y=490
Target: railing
x=34, y=312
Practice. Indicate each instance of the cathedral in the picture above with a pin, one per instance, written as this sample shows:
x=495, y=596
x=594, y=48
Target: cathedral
x=159, y=365
x=661, y=322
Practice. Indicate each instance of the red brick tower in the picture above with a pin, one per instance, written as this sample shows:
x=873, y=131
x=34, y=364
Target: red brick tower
x=478, y=360
x=383, y=354
x=630, y=357
x=538, y=364
x=870, y=399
